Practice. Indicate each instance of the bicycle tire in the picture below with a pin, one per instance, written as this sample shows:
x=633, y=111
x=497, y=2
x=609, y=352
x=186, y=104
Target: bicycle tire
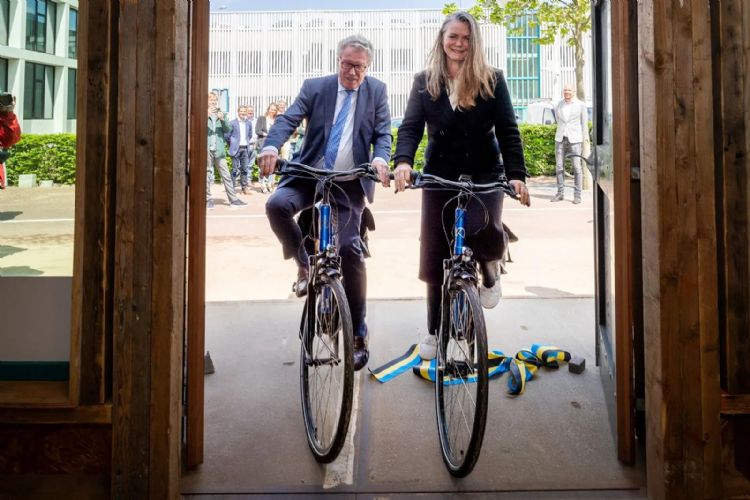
x=326, y=410
x=462, y=355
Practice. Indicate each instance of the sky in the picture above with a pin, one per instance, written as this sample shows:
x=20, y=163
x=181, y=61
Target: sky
x=240, y=5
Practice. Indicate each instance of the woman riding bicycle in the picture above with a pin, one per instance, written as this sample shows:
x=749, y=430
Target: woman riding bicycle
x=472, y=130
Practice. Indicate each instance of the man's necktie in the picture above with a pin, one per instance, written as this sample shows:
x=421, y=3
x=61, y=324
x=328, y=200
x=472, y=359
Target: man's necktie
x=332, y=148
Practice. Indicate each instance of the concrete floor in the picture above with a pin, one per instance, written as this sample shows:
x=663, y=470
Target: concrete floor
x=554, y=438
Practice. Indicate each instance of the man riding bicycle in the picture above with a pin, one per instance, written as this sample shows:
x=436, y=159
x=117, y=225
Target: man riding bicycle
x=348, y=124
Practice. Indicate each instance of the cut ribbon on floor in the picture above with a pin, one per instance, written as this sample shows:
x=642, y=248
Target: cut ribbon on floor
x=521, y=368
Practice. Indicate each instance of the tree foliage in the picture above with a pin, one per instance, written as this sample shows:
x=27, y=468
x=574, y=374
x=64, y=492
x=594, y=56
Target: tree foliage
x=567, y=19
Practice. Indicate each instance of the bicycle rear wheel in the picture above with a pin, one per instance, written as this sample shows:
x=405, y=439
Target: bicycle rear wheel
x=461, y=379
x=326, y=369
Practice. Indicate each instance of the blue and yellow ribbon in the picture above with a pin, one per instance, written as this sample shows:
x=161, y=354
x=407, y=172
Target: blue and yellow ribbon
x=398, y=366
x=496, y=366
x=521, y=368
x=550, y=355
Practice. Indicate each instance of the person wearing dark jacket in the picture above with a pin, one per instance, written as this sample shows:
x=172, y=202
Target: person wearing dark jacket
x=348, y=124
x=471, y=129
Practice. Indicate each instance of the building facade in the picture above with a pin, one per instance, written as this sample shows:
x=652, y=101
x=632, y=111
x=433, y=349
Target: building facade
x=38, y=62
x=260, y=57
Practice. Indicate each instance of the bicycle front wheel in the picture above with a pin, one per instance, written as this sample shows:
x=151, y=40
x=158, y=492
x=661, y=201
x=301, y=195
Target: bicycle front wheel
x=461, y=378
x=326, y=369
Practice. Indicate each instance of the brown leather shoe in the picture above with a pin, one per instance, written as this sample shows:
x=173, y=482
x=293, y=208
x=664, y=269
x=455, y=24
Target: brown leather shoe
x=299, y=287
x=361, y=353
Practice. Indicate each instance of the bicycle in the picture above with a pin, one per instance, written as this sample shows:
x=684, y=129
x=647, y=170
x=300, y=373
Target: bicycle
x=326, y=330
x=461, y=377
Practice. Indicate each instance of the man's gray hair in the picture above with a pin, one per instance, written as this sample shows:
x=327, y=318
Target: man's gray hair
x=358, y=42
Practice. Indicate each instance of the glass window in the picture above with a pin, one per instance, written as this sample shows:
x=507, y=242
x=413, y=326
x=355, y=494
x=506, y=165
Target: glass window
x=4, y=26
x=3, y=75
x=523, y=70
x=73, y=34
x=38, y=91
x=41, y=16
x=72, y=93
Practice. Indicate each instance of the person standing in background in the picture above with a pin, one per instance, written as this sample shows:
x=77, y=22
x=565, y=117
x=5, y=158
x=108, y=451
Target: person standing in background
x=218, y=128
x=572, y=130
x=241, y=148
x=10, y=132
x=262, y=127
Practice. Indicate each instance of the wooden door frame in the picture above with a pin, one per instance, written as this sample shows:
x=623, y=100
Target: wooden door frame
x=625, y=165
x=196, y=263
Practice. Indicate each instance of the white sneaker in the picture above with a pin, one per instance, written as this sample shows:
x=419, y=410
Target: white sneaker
x=428, y=347
x=489, y=297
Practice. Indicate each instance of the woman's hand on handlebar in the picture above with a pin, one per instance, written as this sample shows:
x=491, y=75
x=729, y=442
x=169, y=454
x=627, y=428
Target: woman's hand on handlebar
x=521, y=191
x=402, y=176
x=267, y=162
x=383, y=171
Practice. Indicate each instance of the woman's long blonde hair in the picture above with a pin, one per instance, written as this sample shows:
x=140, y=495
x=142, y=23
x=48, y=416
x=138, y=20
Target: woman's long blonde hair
x=475, y=78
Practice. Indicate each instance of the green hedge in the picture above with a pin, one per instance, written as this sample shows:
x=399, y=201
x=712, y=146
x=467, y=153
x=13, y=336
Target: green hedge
x=538, y=145
x=53, y=156
x=49, y=156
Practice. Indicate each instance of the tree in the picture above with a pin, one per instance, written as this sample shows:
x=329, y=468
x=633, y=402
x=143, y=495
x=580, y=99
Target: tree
x=569, y=19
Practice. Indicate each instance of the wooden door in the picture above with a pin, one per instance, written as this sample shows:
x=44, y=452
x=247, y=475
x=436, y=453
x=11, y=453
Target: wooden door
x=616, y=212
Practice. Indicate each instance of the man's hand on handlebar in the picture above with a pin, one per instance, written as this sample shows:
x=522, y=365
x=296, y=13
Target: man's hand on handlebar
x=522, y=191
x=383, y=172
x=402, y=176
x=267, y=162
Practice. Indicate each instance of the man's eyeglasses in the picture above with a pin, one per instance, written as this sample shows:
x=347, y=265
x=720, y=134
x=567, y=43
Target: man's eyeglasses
x=359, y=68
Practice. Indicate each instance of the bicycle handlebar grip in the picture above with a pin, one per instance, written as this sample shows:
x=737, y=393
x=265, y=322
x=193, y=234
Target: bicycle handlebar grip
x=281, y=165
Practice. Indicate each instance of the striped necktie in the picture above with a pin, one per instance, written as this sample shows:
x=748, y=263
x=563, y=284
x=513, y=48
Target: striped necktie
x=332, y=148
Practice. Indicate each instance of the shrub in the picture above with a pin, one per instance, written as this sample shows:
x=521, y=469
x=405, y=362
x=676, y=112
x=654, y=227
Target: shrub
x=539, y=148
x=49, y=156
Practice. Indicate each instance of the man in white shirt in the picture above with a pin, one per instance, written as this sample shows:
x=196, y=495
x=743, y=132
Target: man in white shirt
x=242, y=140
x=572, y=130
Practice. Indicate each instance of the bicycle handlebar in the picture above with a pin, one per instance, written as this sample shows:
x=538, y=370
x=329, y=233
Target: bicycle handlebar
x=422, y=180
x=284, y=167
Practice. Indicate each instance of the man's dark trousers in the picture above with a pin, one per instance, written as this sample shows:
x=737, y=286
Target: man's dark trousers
x=242, y=165
x=347, y=204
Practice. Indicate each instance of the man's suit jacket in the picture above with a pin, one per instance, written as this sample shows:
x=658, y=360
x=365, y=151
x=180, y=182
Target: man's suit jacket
x=233, y=137
x=575, y=126
x=462, y=142
x=316, y=101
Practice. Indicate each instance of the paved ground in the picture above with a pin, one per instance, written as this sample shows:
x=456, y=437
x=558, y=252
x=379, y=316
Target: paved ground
x=553, y=257
x=554, y=441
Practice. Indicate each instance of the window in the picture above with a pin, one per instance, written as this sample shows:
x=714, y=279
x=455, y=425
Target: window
x=523, y=63
x=72, y=93
x=280, y=61
x=249, y=62
x=312, y=58
x=401, y=60
x=4, y=21
x=218, y=62
x=41, y=16
x=38, y=91
x=73, y=34
x=3, y=75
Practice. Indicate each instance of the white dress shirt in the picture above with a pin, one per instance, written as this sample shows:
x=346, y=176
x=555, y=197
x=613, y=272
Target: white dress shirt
x=243, y=132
